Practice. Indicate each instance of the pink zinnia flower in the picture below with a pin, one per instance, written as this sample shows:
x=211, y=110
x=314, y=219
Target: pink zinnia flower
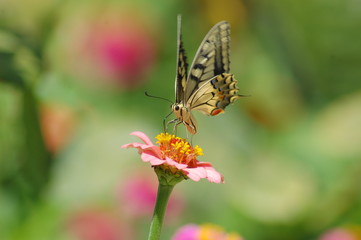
x=204, y=232
x=175, y=155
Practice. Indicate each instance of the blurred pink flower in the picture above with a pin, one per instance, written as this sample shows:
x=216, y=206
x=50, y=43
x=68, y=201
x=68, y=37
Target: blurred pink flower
x=124, y=52
x=187, y=232
x=111, y=47
x=97, y=225
x=175, y=155
x=347, y=233
x=204, y=232
x=137, y=195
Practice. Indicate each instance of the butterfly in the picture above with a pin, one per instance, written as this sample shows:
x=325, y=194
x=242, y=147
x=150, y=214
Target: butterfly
x=209, y=87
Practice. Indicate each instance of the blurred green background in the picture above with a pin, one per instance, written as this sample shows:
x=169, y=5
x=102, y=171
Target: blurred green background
x=72, y=82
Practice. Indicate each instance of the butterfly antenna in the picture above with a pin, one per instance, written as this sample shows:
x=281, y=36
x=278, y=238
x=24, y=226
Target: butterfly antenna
x=148, y=95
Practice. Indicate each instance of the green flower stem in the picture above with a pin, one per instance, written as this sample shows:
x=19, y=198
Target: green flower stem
x=163, y=194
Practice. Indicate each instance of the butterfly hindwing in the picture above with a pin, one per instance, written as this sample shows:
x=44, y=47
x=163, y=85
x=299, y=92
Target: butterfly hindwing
x=182, y=65
x=215, y=95
x=211, y=59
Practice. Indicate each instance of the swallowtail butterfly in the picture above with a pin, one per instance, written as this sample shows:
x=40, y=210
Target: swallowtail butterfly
x=209, y=87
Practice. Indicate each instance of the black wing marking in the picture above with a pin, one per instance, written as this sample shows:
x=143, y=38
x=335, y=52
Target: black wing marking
x=182, y=65
x=212, y=58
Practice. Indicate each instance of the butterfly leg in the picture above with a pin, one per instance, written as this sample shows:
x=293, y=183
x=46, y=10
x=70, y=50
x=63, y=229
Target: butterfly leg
x=176, y=121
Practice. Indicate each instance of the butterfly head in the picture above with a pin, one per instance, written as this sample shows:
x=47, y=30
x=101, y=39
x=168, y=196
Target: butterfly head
x=176, y=107
x=184, y=115
x=180, y=111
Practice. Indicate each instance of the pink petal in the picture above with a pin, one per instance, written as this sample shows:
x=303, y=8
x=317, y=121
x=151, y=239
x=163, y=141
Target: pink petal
x=213, y=175
x=154, y=149
x=195, y=173
x=142, y=147
x=135, y=145
x=149, y=156
x=143, y=137
x=171, y=162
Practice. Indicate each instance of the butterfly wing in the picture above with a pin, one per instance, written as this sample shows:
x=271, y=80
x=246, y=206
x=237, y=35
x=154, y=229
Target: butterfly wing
x=209, y=87
x=211, y=59
x=182, y=65
x=215, y=95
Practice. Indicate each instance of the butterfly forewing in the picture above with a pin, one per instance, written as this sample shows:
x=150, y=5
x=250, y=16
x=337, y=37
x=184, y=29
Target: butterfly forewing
x=182, y=65
x=211, y=59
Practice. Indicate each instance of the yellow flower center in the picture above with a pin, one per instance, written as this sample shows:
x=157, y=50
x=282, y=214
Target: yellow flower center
x=210, y=231
x=178, y=149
